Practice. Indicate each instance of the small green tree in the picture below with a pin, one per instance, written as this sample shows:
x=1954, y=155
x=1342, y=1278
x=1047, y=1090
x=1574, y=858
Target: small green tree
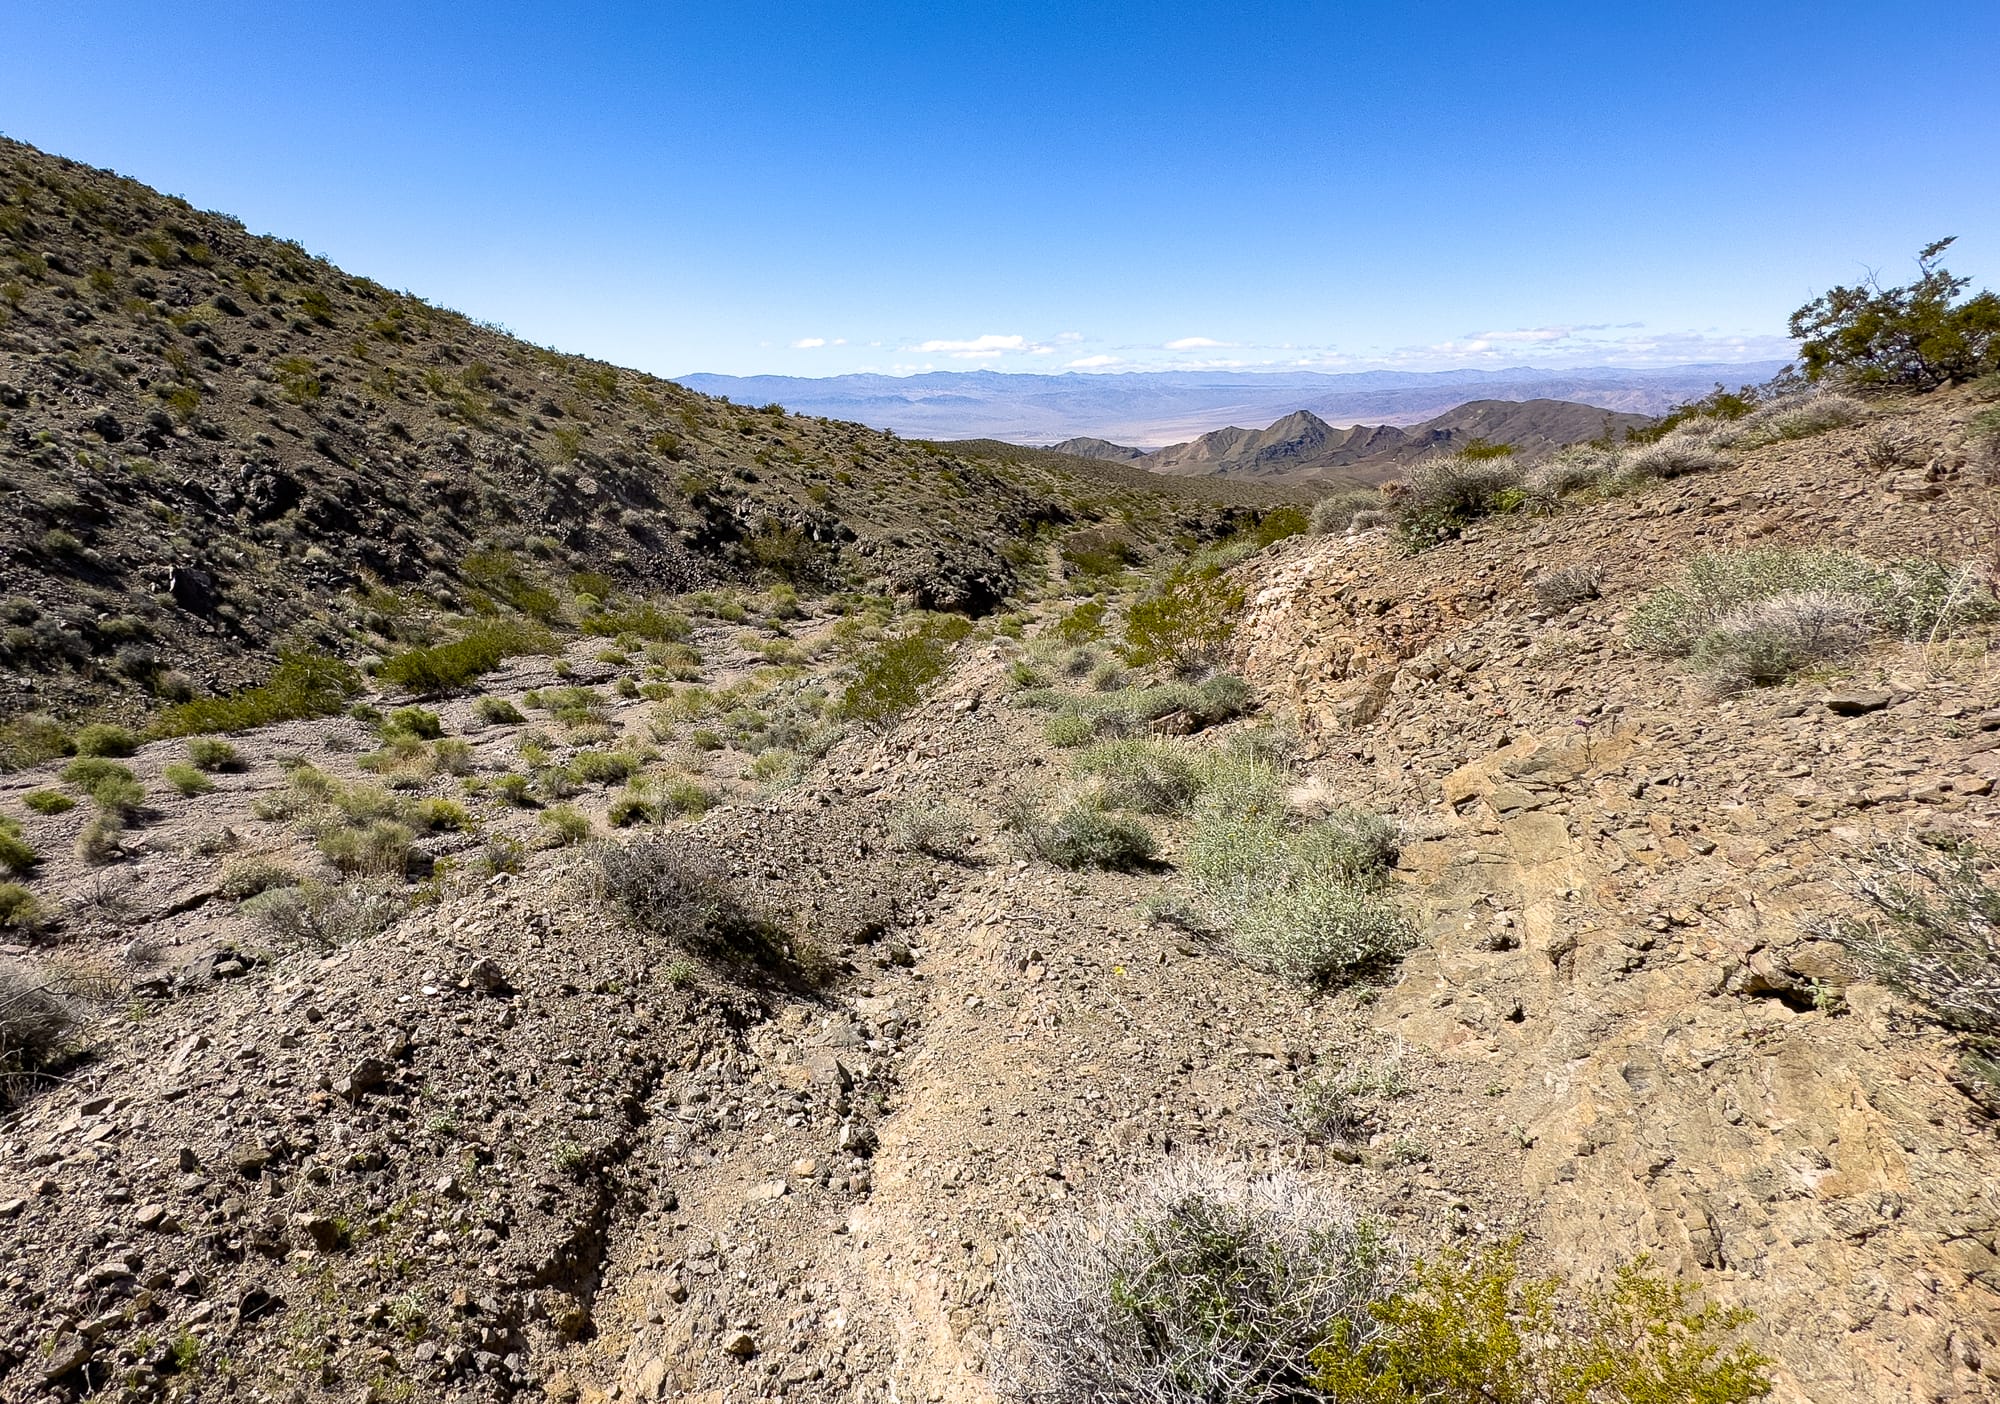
x=1915, y=337
x=1186, y=622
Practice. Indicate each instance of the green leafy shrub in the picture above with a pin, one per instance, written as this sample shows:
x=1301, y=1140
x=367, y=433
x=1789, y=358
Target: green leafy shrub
x=644, y=621
x=563, y=826
x=501, y=576
x=1195, y=1285
x=413, y=721
x=1914, y=337
x=889, y=679
x=1185, y=622
x=105, y=739
x=378, y=847
x=17, y=855
x=602, y=767
x=302, y=685
x=212, y=753
x=1471, y=1327
x=484, y=647
x=629, y=809
x=19, y=909
x=48, y=801
x=440, y=816
x=1082, y=837
x=1069, y=728
x=1081, y=624
x=515, y=789
x=497, y=711
x=188, y=779
x=31, y=739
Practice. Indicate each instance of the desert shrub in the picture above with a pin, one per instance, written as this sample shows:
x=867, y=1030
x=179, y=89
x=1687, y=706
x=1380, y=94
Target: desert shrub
x=105, y=739
x=48, y=801
x=689, y=900
x=687, y=797
x=629, y=809
x=1755, y=617
x=379, y=847
x=939, y=829
x=1573, y=469
x=1069, y=728
x=1154, y=777
x=1185, y=621
x=497, y=711
x=101, y=840
x=188, y=779
x=246, y=877
x=643, y=621
x=484, y=647
x=1440, y=497
x=325, y=916
x=1099, y=550
x=513, y=788
x=119, y=797
x=440, y=816
x=1468, y=1326
x=1309, y=903
x=563, y=826
x=889, y=678
x=302, y=685
x=1930, y=928
x=1081, y=624
x=1335, y=514
x=19, y=908
x=500, y=575
x=1914, y=337
x=1675, y=456
x=452, y=756
x=1083, y=837
x=775, y=766
x=1278, y=523
x=1560, y=591
x=1794, y=417
x=17, y=856
x=419, y=722
x=31, y=739
x=39, y=1024
x=1198, y=1284
x=602, y=767
x=212, y=753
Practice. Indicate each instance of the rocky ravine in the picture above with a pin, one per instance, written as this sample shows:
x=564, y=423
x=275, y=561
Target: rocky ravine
x=516, y=1145
x=1618, y=904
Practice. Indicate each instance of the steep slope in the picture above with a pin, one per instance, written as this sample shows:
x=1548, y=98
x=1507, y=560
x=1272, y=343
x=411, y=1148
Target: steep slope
x=1098, y=448
x=1618, y=879
x=215, y=446
x=1530, y=427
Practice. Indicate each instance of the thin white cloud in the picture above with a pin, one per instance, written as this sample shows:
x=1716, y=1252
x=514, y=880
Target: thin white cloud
x=1093, y=362
x=978, y=348
x=1193, y=343
x=1529, y=334
x=808, y=343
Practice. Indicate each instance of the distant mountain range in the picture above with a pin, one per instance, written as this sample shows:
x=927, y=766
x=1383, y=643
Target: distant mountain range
x=1304, y=446
x=1153, y=408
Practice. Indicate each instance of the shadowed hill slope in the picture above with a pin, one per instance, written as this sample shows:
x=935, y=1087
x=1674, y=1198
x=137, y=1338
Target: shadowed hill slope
x=216, y=445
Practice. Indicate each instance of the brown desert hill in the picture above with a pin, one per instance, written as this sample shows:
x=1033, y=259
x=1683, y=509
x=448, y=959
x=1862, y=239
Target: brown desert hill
x=1303, y=447
x=216, y=447
x=1098, y=448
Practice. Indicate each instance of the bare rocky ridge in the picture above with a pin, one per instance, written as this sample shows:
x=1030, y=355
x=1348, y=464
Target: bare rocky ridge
x=1302, y=446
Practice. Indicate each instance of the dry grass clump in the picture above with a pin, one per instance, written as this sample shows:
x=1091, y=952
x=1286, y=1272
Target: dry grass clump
x=39, y=1022
x=1790, y=417
x=324, y=916
x=693, y=903
x=1196, y=1284
x=1560, y=591
x=1440, y=497
x=1345, y=511
x=1080, y=836
x=247, y=876
x=935, y=828
x=1149, y=775
x=1751, y=618
x=1675, y=456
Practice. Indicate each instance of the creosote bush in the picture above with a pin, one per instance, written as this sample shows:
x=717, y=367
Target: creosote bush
x=302, y=685
x=1914, y=337
x=17, y=855
x=48, y=801
x=1185, y=621
x=188, y=779
x=20, y=911
x=484, y=647
x=1469, y=1326
x=889, y=678
x=1198, y=1284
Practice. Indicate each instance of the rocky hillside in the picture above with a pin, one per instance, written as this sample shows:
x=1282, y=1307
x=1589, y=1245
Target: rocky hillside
x=214, y=446
x=1302, y=446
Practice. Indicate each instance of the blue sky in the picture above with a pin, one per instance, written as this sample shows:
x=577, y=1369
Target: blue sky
x=814, y=188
